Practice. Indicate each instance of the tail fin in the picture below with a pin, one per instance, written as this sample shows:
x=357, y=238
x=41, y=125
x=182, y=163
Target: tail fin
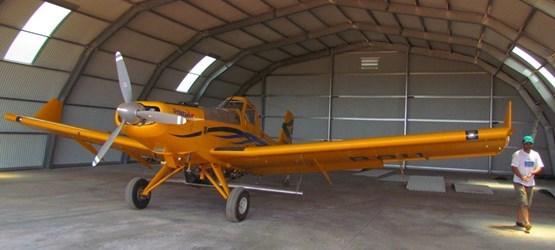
x=508, y=115
x=51, y=111
x=285, y=136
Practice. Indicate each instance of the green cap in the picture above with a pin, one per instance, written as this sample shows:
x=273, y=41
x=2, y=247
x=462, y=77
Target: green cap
x=527, y=139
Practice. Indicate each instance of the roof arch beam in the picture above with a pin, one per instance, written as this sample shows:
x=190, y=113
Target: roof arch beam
x=222, y=29
x=100, y=39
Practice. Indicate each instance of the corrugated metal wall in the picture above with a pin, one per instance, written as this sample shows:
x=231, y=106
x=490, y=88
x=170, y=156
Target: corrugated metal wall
x=411, y=93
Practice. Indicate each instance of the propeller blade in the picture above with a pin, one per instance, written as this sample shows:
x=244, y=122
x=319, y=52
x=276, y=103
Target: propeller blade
x=107, y=144
x=123, y=76
x=160, y=117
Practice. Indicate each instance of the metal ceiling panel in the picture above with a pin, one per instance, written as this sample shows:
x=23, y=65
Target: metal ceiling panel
x=464, y=50
x=373, y=36
x=439, y=46
x=31, y=83
x=151, y=24
x=71, y=28
x=254, y=63
x=240, y=39
x=329, y=14
x=295, y=49
x=103, y=65
x=478, y=6
x=398, y=39
x=15, y=13
x=415, y=42
x=170, y=79
x=216, y=47
x=6, y=39
x=189, y=15
x=253, y=8
x=169, y=96
x=357, y=15
x=313, y=45
x=436, y=26
x=274, y=55
x=466, y=29
x=236, y=75
x=187, y=61
x=542, y=29
x=109, y=10
x=137, y=45
x=352, y=36
x=331, y=40
x=489, y=59
x=496, y=39
x=221, y=9
x=511, y=12
x=434, y=3
x=59, y=55
x=264, y=32
x=384, y=18
x=17, y=107
x=402, y=1
x=221, y=89
x=285, y=27
x=411, y=22
x=307, y=21
x=280, y=3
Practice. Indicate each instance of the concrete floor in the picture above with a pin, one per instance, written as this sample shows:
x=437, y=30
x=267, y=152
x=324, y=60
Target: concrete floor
x=84, y=208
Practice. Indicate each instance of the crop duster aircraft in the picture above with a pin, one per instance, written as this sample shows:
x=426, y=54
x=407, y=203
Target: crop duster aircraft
x=212, y=145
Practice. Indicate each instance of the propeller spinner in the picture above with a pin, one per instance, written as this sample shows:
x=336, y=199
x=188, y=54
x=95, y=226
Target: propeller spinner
x=132, y=113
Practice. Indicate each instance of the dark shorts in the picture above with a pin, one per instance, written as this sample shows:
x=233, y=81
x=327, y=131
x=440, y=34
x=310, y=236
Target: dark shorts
x=524, y=194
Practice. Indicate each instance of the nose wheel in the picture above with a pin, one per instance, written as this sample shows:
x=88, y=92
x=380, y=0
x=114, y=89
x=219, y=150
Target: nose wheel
x=133, y=192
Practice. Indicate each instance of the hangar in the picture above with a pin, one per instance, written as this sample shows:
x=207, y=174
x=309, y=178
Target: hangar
x=346, y=69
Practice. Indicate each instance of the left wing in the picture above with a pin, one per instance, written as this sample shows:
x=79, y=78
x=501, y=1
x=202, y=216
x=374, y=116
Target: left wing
x=48, y=119
x=367, y=153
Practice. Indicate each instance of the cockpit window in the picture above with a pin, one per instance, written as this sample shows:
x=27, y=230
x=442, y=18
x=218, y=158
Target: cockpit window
x=232, y=105
x=251, y=113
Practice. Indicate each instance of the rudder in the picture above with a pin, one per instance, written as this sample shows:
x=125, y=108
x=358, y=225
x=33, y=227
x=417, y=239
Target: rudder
x=285, y=136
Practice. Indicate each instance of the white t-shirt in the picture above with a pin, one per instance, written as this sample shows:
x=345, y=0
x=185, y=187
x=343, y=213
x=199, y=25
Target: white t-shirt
x=526, y=163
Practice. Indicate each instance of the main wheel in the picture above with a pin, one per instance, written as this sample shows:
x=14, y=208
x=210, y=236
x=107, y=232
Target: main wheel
x=238, y=204
x=133, y=192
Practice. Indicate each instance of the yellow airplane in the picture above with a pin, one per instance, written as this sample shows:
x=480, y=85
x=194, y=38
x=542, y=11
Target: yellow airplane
x=213, y=144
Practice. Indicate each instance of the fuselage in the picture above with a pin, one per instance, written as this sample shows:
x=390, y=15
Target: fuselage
x=234, y=123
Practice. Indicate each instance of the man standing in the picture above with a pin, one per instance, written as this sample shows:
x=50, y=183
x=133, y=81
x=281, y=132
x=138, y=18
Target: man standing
x=525, y=164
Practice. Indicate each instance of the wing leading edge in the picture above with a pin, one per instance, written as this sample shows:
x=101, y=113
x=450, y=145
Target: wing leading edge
x=368, y=153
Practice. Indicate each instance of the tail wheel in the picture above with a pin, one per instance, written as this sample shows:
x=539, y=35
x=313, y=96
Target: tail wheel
x=238, y=204
x=133, y=192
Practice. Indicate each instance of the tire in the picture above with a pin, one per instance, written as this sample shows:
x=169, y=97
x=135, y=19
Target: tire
x=133, y=195
x=238, y=205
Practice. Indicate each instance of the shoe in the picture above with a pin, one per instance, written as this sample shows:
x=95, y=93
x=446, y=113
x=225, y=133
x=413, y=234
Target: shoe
x=527, y=228
x=520, y=224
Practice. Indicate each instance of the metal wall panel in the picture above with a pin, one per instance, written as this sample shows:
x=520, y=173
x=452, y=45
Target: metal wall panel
x=24, y=82
x=103, y=65
x=220, y=89
x=300, y=106
x=20, y=108
x=450, y=109
x=312, y=85
x=420, y=63
x=304, y=129
x=6, y=39
x=67, y=151
x=20, y=150
x=362, y=129
x=314, y=67
x=99, y=92
x=73, y=28
x=450, y=84
x=376, y=108
x=371, y=85
x=140, y=47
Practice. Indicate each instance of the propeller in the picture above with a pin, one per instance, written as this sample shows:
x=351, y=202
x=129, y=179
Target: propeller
x=132, y=113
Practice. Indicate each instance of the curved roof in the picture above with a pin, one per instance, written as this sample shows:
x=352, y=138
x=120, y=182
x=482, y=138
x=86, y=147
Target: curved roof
x=162, y=40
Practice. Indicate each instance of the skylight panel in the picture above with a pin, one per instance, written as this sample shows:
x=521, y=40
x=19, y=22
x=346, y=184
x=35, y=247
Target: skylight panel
x=30, y=40
x=526, y=57
x=550, y=78
x=190, y=78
